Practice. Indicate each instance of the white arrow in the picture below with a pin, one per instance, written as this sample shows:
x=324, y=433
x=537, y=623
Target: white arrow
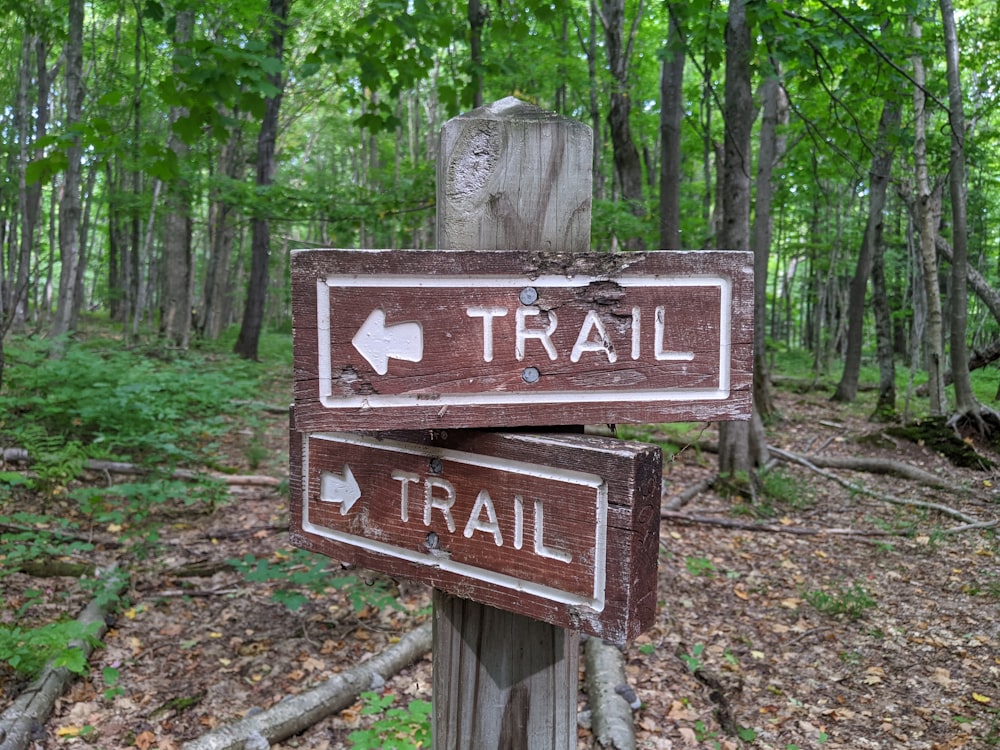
x=344, y=490
x=378, y=343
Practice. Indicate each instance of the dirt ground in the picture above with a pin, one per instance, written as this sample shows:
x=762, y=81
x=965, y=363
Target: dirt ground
x=766, y=637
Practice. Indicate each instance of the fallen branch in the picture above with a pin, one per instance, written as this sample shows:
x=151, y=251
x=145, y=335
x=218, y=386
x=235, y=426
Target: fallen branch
x=610, y=695
x=32, y=707
x=121, y=467
x=689, y=493
x=944, y=509
x=297, y=713
x=730, y=523
x=19, y=455
x=869, y=465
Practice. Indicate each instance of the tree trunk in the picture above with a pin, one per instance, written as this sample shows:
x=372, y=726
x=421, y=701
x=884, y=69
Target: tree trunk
x=965, y=401
x=772, y=148
x=253, y=311
x=847, y=389
x=742, y=445
x=928, y=213
x=70, y=205
x=885, y=408
x=217, y=294
x=671, y=117
x=628, y=165
x=175, y=304
x=477, y=20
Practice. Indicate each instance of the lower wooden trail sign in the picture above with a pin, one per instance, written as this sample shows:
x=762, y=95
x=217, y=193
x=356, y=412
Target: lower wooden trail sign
x=562, y=528
x=444, y=339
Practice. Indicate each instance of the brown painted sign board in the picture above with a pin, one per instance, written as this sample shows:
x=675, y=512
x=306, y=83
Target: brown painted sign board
x=562, y=528
x=436, y=339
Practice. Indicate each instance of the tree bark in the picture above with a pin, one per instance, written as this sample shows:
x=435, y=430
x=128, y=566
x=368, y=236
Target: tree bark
x=671, y=117
x=772, y=148
x=742, y=445
x=966, y=404
x=70, y=205
x=628, y=165
x=477, y=20
x=607, y=685
x=253, y=311
x=31, y=709
x=217, y=295
x=928, y=213
x=175, y=304
x=296, y=714
x=847, y=389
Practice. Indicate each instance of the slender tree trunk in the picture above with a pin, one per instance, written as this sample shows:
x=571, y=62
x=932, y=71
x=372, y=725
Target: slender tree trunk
x=928, y=213
x=772, y=148
x=628, y=165
x=477, y=20
x=885, y=408
x=671, y=117
x=175, y=305
x=847, y=389
x=965, y=401
x=253, y=311
x=742, y=445
x=70, y=206
x=218, y=292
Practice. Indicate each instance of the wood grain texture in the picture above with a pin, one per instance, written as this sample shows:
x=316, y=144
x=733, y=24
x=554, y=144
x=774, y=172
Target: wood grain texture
x=621, y=338
x=558, y=527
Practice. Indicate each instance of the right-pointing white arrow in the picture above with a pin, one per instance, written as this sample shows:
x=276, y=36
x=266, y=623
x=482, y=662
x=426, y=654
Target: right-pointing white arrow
x=378, y=343
x=344, y=490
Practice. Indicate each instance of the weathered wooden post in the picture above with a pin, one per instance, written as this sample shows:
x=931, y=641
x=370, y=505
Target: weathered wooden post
x=406, y=362
x=509, y=177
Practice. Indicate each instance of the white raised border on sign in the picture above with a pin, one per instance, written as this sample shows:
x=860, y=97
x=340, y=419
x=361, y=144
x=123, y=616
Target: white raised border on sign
x=590, y=482
x=374, y=401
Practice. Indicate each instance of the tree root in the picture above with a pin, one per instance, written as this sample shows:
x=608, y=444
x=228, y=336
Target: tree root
x=26, y=715
x=297, y=713
x=869, y=465
x=984, y=420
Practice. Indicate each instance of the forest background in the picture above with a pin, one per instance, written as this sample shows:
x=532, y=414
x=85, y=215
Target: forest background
x=162, y=159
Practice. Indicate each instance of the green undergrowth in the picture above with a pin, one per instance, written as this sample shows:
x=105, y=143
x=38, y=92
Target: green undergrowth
x=157, y=409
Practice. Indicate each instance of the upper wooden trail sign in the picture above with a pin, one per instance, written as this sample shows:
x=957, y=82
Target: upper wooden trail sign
x=446, y=339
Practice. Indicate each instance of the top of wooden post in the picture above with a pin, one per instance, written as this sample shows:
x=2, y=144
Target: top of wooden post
x=513, y=176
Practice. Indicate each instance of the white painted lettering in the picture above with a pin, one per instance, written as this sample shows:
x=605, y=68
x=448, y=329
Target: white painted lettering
x=476, y=523
x=405, y=479
x=443, y=504
x=518, y=522
x=636, y=319
x=487, y=314
x=585, y=344
x=662, y=355
x=540, y=549
x=523, y=333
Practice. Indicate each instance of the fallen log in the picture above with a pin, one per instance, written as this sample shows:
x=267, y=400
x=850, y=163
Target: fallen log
x=609, y=695
x=297, y=713
x=861, y=489
x=869, y=466
x=31, y=709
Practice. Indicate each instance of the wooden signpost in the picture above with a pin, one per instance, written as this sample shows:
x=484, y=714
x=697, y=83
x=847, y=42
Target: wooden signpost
x=407, y=361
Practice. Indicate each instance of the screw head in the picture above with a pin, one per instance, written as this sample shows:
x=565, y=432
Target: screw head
x=528, y=295
x=530, y=375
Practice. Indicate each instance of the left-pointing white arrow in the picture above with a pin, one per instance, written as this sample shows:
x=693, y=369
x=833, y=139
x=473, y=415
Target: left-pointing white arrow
x=344, y=490
x=378, y=343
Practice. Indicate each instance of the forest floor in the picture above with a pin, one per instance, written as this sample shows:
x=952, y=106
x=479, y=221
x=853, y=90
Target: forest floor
x=884, y=638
